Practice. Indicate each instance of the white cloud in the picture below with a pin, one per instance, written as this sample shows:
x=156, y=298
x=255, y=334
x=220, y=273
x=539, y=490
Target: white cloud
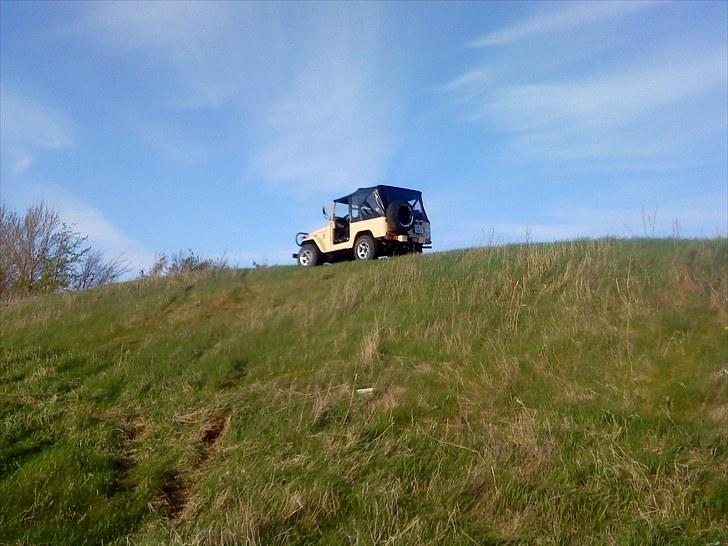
x=642, y=112
x=89, y=221
x=304, y=80
x=173, y=145
x=694, y=215
x=645, y=108
x=102, y=233
x=28, y=126
x=338, y=124
x=567, y=15
x=193, y=39
x=606, y=101
x=621, y=212
x=21, y=162
x=475, y=78
x=331, y=133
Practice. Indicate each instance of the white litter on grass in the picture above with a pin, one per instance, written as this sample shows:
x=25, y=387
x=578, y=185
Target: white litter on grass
x=366, y=390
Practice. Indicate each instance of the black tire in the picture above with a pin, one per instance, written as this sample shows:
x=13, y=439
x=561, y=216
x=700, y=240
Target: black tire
x=400, y=215
x=365, y=248
x=309, y=255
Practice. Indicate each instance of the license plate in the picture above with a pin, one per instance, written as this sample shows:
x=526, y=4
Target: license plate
x=419, y=229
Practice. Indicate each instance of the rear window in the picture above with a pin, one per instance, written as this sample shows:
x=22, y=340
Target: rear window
x=365, y=206
x=414, y=198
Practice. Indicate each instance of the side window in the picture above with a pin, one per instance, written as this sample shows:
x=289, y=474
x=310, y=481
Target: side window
x=355, y=213
x=341, y=210
x=370, y=208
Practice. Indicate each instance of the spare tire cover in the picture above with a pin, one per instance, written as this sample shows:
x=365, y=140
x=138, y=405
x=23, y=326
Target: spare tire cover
x=400, y=215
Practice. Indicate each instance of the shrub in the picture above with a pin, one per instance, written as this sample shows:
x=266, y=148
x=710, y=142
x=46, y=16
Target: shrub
x=40, y=253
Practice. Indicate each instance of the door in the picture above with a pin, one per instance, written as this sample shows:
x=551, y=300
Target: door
x=340, y=222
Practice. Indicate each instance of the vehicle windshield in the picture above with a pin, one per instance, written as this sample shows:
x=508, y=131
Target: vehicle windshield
x=341, y=210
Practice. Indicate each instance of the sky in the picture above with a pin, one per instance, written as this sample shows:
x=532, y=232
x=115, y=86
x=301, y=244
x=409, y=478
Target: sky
x=224, y=127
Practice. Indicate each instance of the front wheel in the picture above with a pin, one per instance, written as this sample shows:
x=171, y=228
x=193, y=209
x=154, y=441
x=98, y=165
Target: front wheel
x=365, y=248
x=309, y=255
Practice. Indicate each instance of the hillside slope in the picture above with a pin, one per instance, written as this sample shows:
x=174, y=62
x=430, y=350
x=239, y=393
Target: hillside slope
x=559, y=393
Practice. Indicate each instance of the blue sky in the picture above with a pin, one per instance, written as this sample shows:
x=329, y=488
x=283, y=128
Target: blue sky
x=224, y=127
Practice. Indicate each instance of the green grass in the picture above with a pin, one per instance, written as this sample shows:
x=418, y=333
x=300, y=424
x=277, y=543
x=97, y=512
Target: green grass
x=570, y=393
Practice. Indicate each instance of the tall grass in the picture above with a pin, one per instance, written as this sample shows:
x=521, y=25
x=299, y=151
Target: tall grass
x=540, y=393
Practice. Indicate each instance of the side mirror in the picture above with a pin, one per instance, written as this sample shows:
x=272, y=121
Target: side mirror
x=325, y=212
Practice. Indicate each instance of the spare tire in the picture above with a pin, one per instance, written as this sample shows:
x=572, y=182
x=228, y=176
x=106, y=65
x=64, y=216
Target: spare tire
x=400, y=215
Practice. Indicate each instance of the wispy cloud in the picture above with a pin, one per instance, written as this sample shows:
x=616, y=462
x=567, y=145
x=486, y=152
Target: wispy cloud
x=649, y=105
x=331, y=133
x=695, y=216
x=607, y=116
x=191, y=40
x=28, y=126
x=173, y=144
x=102, y=233
x=337, y=126
x=471, y=79
x=567, y=15
x=570, y=221
x=608, y=100
x=304, y=81
x=90, y=222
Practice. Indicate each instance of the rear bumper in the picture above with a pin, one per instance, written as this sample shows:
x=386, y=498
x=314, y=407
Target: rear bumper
x=416, y=239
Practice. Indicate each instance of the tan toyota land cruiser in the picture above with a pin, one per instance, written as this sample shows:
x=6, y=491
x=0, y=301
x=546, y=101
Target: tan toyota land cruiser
x=366, y=224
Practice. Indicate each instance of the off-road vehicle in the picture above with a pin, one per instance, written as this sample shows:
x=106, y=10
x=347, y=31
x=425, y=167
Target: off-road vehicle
x=366, y=224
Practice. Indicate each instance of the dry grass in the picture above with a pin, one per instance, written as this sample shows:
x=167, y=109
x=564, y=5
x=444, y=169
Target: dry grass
x=534, y=394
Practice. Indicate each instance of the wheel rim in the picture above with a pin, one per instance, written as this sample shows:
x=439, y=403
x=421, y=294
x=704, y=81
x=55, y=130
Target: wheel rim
x=362, y=250
x=305, y=257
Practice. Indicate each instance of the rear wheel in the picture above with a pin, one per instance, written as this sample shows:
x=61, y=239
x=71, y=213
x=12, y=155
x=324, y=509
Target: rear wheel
x=365, y=248
x=309, y=255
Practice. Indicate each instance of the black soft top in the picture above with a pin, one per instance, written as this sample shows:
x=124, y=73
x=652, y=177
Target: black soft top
x=387, y=193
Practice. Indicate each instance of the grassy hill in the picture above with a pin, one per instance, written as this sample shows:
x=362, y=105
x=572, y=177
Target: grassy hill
x=572, y=393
